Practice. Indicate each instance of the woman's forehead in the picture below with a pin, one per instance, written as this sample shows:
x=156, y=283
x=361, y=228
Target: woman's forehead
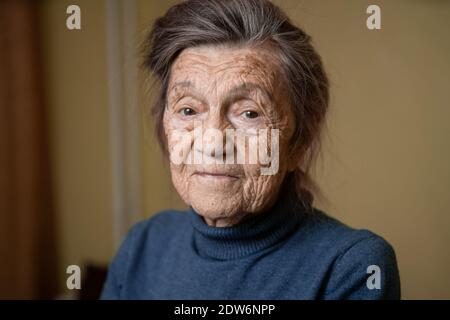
x=201, y=66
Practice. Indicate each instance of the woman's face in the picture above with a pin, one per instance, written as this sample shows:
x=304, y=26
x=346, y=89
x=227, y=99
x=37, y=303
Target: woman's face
x=219, y=101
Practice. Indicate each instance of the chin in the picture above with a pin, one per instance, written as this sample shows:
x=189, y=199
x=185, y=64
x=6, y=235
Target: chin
x=215, y=199
x=216, y=207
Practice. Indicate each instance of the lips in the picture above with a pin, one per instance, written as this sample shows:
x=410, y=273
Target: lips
x=217, y=175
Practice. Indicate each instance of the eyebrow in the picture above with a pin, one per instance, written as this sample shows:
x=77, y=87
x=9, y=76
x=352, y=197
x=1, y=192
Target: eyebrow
x=186, y=85
x=239, y=92
x=236, y=93
x=183, y=84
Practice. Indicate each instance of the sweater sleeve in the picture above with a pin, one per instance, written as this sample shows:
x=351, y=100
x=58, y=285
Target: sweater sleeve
x=365, y=271
x=118, y=268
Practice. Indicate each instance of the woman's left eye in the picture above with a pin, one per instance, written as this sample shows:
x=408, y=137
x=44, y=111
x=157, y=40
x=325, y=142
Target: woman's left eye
x=250, y=114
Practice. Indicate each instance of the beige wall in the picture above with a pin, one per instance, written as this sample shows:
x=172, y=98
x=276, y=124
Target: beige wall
x=386, y=155
x=76, y=92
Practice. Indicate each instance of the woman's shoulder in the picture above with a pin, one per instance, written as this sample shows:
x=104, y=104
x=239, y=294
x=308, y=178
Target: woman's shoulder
x=154, y=234
x=162, y=224
x=328, y=232
x=352, y=255
x=150, y=236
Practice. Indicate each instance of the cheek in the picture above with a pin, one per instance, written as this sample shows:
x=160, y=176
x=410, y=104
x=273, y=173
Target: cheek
x=172, y=123
x=179, y=137
x=287, y=128
x=260, y=191
x=180, y=180
x=177, y=144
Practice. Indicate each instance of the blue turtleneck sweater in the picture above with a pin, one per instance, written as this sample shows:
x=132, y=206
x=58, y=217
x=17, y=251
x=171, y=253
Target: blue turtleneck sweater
x=284, y=253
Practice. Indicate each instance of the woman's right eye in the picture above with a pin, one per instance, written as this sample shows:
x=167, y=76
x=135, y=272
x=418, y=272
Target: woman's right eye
x=187, y=112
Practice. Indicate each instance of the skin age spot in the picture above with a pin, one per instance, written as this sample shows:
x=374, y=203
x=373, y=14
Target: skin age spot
x=228, y=88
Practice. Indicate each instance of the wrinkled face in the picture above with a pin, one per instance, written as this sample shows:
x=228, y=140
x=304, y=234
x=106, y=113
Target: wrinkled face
x=239, y=92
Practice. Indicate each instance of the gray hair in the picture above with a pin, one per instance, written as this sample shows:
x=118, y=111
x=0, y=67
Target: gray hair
x=247, y=22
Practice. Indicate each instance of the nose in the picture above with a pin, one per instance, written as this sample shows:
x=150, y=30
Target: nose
x=210, y=142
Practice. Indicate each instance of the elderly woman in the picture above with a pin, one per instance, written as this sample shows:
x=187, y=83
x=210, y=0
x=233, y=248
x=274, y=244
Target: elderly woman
x=239, y=82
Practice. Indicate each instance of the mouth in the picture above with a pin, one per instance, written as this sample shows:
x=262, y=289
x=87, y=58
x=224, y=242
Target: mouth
x=215, y=175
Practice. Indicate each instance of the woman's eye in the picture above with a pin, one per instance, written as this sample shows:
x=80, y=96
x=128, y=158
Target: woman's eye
x=187, y=112
x=250, y=114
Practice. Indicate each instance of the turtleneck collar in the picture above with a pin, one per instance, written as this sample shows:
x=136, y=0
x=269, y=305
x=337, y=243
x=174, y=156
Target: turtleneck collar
x=254, y=234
